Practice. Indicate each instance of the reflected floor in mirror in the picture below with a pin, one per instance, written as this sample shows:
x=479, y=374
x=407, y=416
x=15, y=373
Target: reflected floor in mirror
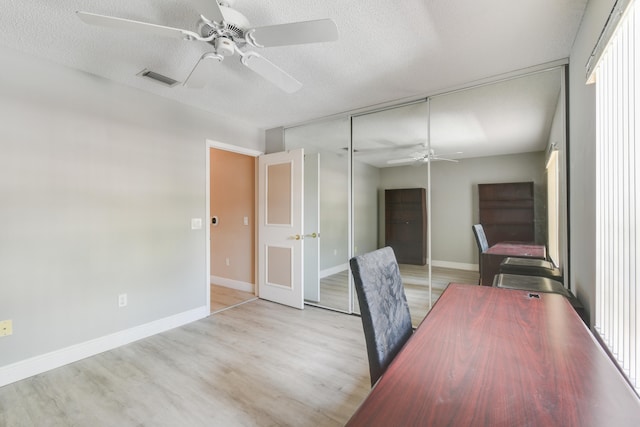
x=223, y=297
x=334, y=288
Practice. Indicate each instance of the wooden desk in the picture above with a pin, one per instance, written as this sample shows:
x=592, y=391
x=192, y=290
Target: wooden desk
x=496, y=357
x=490, y=259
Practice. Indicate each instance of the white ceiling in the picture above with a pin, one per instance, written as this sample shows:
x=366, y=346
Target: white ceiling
x=506, y=117
x=386, y=51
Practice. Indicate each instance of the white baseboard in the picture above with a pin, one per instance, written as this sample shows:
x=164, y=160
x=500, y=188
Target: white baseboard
x=45, y=362
x=455, y=265
x=333, y=270
x=233, y=284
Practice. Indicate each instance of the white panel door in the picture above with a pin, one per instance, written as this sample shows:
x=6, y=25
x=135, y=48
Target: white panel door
x=280, y=229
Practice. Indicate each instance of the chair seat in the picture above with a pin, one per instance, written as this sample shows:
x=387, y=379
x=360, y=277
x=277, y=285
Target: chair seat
x=529, y=283
x=530, y=267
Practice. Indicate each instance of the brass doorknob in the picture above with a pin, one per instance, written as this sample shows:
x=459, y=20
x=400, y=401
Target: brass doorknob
x=296, y=237
x=312, y=235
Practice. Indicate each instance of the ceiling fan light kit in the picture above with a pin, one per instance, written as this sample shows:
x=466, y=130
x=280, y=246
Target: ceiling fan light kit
x=230, y=33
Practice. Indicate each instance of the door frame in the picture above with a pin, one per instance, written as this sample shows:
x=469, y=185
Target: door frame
x=209, y=144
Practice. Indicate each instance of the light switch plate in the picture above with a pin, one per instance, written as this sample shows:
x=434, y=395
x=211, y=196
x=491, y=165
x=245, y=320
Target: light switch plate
x=6, y=328
x=196, y=223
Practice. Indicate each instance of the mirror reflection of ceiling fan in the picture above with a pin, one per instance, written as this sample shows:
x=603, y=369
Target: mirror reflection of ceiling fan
x=230, y=33
x=424, y=157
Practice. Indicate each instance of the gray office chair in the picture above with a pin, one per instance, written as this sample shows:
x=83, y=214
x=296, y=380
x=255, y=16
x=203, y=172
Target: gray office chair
x=383, y=306
x=482, y=242
x=481, y=238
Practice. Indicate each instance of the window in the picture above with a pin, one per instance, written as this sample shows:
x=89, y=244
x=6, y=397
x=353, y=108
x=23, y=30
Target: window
x=615, y=74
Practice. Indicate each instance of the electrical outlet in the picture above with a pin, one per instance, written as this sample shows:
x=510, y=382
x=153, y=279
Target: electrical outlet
x=122, y=300
x=227, y=262
x=6, y=328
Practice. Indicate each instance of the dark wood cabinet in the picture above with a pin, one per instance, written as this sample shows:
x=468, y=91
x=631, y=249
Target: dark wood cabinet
x=507, y=212
x=406, y=224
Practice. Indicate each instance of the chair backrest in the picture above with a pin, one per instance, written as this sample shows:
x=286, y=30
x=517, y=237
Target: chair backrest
x=481, y=238
x=383, y=306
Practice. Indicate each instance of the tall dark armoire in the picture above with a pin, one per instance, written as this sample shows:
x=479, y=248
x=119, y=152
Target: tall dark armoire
x=406, y=224
x=507, y=212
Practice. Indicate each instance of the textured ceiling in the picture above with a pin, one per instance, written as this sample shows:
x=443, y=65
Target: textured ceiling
x=386, y=51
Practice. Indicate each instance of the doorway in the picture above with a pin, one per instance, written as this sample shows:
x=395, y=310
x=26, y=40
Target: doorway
x=231, y=214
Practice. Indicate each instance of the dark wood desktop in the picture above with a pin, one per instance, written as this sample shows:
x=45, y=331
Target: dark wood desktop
x=490, y=259
x=499, y=357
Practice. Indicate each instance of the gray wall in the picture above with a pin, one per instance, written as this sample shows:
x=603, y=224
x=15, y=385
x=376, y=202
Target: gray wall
x=454, y=197
x=98, y=184
x=366, y=185
x=274, y=140
x=334, y=210
x=582, y=139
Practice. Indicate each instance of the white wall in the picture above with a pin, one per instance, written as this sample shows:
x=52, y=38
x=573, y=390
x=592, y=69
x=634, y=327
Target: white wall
x=582, y=139
x=454, y=198
x=98, y=184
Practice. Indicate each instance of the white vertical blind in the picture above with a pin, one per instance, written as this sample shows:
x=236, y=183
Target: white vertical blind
x=553, y=207
x=617, y=186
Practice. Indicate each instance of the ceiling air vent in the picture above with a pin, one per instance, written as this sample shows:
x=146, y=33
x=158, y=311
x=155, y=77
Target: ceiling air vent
x=158, y=78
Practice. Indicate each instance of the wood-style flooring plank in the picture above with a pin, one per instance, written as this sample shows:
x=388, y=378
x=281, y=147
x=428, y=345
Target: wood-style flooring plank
x=257, y=364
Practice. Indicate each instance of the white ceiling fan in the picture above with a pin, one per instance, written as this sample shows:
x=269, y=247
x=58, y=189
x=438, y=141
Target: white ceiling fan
x=229, y=32
x=424, y=156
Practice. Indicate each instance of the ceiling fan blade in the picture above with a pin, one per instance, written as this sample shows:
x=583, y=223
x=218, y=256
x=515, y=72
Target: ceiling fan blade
x=271, y=72
x=321, y=30
x=401, y=161
x=128, y=24
x=201, y=74
x=448, y=154
x=444, y=159
x=210, y=9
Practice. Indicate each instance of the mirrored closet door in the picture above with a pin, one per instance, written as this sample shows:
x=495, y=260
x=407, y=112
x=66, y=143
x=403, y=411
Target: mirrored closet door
x=326, y=218
x=371, y=177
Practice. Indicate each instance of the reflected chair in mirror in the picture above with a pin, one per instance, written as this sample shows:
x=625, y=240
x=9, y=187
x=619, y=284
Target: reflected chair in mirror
x=481, y=241
x=383, y=306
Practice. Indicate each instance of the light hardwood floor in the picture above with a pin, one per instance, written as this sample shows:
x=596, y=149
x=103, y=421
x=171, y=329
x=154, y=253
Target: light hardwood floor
x=223, y=297
x=257, y=364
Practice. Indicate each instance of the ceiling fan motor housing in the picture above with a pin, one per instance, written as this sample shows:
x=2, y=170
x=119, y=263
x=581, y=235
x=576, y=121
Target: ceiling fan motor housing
x=234, y=25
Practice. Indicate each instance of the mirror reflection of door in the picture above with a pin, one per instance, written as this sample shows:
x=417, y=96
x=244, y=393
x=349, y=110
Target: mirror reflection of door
x=312, y=227
x=498, y=132
x=326, y=145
